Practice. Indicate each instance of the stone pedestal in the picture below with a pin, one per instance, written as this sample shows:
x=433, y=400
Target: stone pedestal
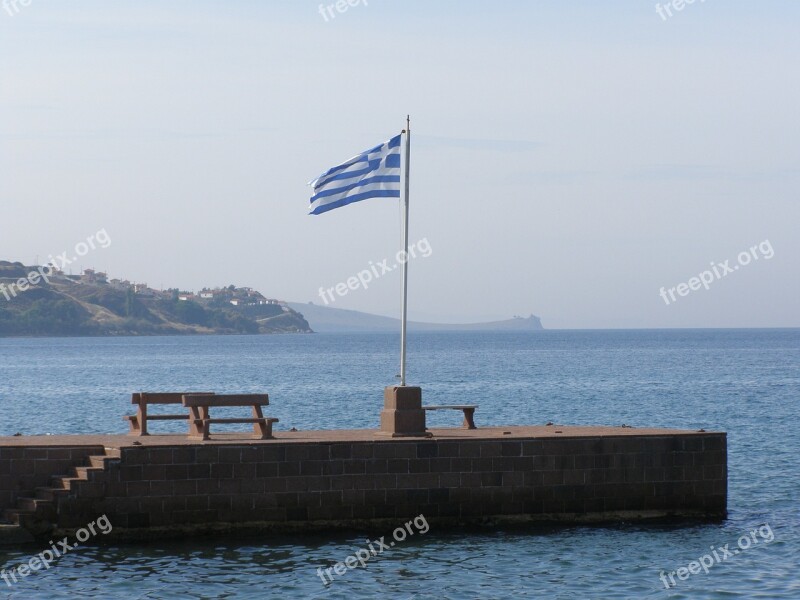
x=402, y=414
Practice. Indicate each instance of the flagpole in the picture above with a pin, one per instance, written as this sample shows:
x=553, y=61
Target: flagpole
x=405, y=263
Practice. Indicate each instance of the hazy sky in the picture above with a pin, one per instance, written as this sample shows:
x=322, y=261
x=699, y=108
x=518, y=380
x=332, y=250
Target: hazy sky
x=569, y=158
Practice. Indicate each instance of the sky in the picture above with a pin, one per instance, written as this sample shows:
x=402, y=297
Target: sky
x=568, y=159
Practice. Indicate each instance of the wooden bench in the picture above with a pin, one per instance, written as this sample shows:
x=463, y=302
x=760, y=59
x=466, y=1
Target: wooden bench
x=469, y=411
x=138, y=422
x=199, y=419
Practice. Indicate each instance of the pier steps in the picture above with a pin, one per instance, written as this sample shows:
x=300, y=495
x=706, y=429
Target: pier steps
x=38, y=514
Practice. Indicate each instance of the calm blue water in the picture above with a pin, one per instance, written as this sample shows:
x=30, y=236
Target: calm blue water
x=744, y=382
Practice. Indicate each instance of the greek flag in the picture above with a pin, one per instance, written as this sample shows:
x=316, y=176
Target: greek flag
x=374, y=173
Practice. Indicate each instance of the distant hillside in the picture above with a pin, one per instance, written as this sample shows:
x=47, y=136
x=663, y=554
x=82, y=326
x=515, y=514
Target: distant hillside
x=90, y=304
x=324, y=319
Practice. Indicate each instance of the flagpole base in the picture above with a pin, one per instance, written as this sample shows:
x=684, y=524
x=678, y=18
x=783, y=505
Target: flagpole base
x=402, y=414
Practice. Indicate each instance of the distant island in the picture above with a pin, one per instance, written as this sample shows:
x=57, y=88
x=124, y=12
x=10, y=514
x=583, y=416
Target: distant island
x=37, y=301
x=324, y=319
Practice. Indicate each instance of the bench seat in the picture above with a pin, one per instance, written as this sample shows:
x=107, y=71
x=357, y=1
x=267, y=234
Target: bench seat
x=253, y=420
x=165, y=417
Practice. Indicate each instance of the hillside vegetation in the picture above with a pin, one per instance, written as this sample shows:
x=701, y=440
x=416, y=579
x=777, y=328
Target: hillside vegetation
x=66, y=305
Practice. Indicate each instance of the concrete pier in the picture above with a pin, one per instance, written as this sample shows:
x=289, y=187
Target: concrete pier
x=167, y=484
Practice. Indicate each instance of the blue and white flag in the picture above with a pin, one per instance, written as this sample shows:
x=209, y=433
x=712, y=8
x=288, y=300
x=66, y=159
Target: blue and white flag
x=374, y=173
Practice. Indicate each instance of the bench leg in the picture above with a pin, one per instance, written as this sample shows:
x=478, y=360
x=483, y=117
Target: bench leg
x=134, y=423
x=138, y=422
x=141, y=416
x=469, y=422
x=261, y=430
x=198, y=428
x=205, y=428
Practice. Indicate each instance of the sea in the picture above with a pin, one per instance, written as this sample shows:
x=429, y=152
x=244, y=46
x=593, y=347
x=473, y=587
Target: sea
x=744, y=382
